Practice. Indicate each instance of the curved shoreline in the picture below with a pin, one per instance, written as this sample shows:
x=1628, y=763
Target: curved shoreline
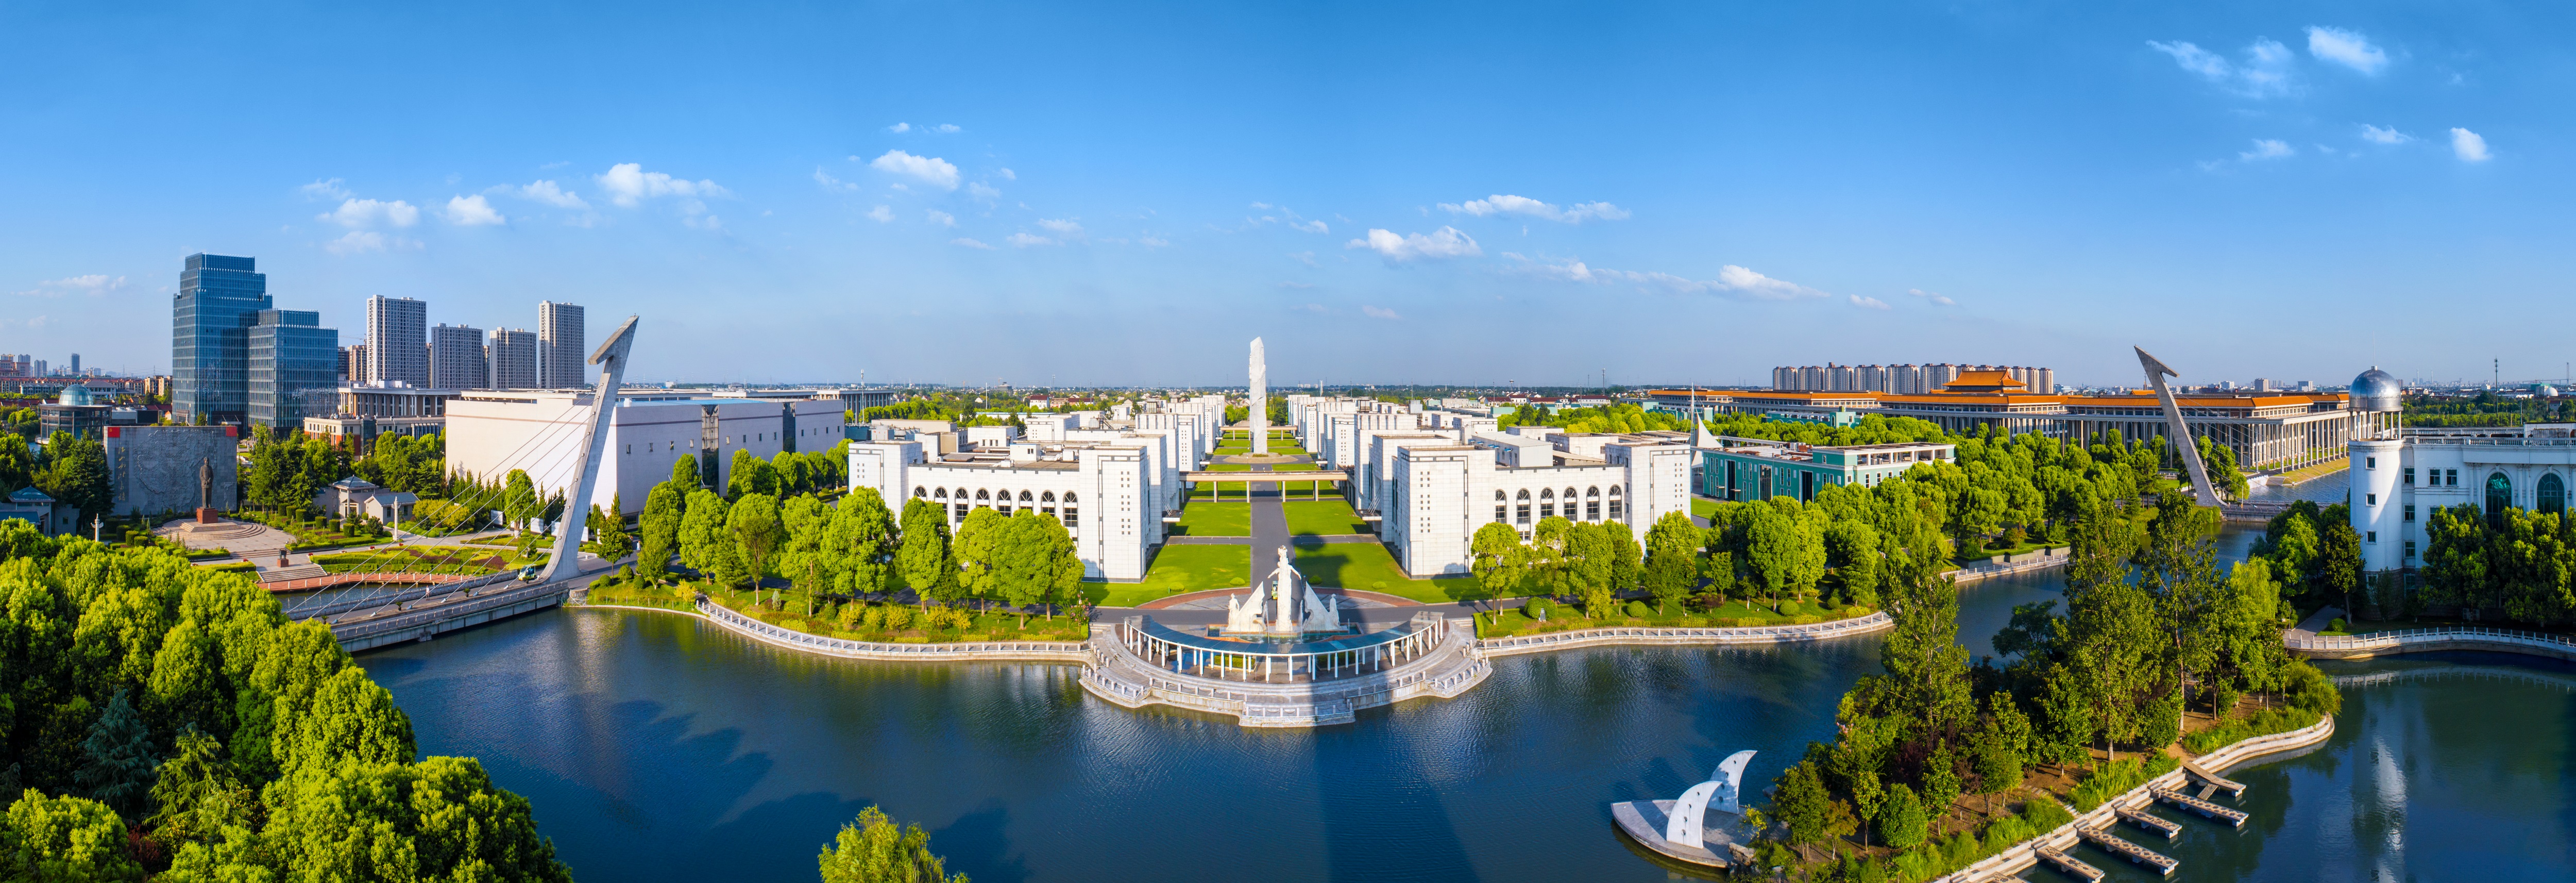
x=957, y=651
x=2430, y=640
x=2024, y=855
x=1613, y=636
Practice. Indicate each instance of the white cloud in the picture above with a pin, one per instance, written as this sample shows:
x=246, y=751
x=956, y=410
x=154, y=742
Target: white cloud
x=882, y=214
x=91, y=285
x=1311, y=226
x=899, y=128
x=1024, y=240
x=1446, y=242
x=1501, y=204
x=628, y=185
x=1303, y=257
x=2265, y=72
x=943, y=219
x=551, y=194
x=969, y=243
x=369, y=213
x=831, y=183
x=1067, y=227
x=945, y=128
x=357, y=241
x=1731, y=279
x=2347, y=48
x=472, y=211
x=1937, y=300
x=2468, y=146
x=929, y=169
x=1008, y=175
x=1379, y=313
x=982, y=192
x=324, y=190
x=1869, y=303
x=1152, y=242
x=2377, y=135
x=2266, y=148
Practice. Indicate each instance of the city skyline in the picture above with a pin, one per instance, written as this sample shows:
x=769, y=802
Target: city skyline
x=2253, y=193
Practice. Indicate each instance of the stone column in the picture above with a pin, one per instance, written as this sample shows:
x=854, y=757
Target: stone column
x=1260, y=399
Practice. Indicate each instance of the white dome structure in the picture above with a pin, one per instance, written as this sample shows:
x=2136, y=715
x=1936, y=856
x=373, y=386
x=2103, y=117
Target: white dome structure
x=2377, y=390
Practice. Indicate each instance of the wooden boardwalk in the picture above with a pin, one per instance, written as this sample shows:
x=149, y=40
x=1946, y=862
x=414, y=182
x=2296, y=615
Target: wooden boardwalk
x=2072, y=866
x=2203, y=807
x=2102, y=837
x=2213, y=780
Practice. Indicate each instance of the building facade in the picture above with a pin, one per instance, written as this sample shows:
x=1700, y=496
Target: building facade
x=511, y=359
x=1900, y=379
x=210, y=337
x=1745, y=469
x=490, y=433
x=397, y=340
x=292, y=359
x=456, y=357
x=158, y=469
x=560, y=339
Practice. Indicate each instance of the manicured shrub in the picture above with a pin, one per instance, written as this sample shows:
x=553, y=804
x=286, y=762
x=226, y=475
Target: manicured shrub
x=1639, y=610
x=1537, y=608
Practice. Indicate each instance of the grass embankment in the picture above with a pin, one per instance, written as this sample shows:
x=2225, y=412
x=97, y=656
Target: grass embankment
x=1702, y=507
x=1369, y=567
x=2319, y=470
x=2266, y=722
x=313, y=533
x=853, y=620
x=1733, y=614
x=1178, y=569
x=1215, y=519
x=1327, y=517
x=429, y=559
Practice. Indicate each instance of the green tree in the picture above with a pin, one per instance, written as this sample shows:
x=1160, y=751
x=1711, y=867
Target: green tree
x=1902, y=822
x=17, y=463
x=1672, y=557
x=751, y=475
x=927, y=563
x=863, y=537
x=198, y=794
x=68, y=839
x=684, y=472
x=1627, y=560
x=1852, y=551
x=875, y=850
x=1500, y=562
x=1997, y=765
x=705, y=546
x=806, y=554
x=76, y=475
x=1589, y=554
x=117, y=767
x=1802, y=804
x=660, y=526
x=608, y=533
x=2339, y=562
x=520, y=502
x=979, y=550
x=757, y=533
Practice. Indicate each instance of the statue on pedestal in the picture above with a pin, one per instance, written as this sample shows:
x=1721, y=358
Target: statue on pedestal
x=206, y=491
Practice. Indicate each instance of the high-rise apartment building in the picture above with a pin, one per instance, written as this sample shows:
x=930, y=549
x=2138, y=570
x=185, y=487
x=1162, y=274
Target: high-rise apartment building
x=353, y=363
x=456, y=357
x=1900, y=379
x=559, y=345
x=291, y=355
x=210, y=321
x=512, y=359
x=398, y=340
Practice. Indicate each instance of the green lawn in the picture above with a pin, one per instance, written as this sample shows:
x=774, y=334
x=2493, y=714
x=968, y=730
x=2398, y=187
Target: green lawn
x=445, y=559
x=1329, y=516
x=1179, y=569
x=1369, y=567
x=1702, y=507
x=1213, y=519
x=1205, y=489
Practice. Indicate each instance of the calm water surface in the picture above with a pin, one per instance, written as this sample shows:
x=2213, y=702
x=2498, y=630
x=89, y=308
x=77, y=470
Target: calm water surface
x=655, y=747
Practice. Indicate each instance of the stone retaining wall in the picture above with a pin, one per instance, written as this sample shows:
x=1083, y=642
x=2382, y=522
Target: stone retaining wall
x=958, y=651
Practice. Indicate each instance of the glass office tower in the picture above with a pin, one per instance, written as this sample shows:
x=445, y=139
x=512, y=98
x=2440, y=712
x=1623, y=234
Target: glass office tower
x=289, y=355
x=210, y=338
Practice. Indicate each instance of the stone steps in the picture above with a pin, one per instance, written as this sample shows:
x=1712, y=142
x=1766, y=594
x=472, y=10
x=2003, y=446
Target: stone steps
x=283, y=574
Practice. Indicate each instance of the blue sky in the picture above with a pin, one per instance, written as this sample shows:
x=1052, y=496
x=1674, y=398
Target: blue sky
x=1388, y=193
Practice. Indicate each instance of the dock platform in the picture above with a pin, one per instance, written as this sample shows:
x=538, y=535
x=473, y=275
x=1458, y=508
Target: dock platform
x=2157, y=824
x=2212, y=781
x=1643, y=820
x=2102, y=837
x=2072, y=866
x=2203, y=807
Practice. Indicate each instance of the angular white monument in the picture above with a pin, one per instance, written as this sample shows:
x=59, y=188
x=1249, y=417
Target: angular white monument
x=1681, y=829
x=1282, y=607
x=1260, y=399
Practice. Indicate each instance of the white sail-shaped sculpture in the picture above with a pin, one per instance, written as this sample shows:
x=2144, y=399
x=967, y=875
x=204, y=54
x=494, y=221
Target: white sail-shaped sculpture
x=1281, y=606
x=1683, y=824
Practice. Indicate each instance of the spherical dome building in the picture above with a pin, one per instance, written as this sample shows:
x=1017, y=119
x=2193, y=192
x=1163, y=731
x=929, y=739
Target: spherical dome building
x=2377, y=390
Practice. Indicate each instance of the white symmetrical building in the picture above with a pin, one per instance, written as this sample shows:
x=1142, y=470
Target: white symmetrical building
x=1432, y=477
x=490, y=433
x=1110, y=484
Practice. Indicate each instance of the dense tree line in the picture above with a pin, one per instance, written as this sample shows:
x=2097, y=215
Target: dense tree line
x=1622, y=417
x=2483, y=409
x=2518, y=566
x=1591, y=561
x=71, y=469
x=855, y=547
x=161, y=718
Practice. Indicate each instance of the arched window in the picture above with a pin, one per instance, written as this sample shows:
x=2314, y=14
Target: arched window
x=1024, y=496
x=1524, y=502
x=1048, y=497
x=2553, y=494
x=922, y=494
x=943, y=493
x=1546, y=503
x=1502, y=507
x=1616, y=513
x=1592, y=504
x=2499, y=497
x=1072, y=516
x=981, y=495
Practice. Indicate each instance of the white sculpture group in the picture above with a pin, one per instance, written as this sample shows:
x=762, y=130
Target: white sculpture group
x=1683, y=824
x=1281, y=606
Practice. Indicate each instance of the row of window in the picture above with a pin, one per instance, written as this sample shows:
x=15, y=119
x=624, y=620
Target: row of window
x=1046, y=504
x=650, y=447
x=1547, y=502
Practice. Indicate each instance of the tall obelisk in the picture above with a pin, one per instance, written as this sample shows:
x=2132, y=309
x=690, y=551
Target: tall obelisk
x=1260, y=401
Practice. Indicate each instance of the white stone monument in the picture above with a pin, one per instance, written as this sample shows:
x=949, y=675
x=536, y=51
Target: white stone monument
x=1260, y=410
x=1682, y=829
x=1282, y=606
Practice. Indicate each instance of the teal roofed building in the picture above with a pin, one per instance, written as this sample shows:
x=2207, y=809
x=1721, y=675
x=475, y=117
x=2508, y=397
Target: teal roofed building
x=1757, y=469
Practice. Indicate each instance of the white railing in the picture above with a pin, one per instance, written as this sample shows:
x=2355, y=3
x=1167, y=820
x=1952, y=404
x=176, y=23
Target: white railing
x=1767, y=634
x=1069, y=651
x=2405, y=637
